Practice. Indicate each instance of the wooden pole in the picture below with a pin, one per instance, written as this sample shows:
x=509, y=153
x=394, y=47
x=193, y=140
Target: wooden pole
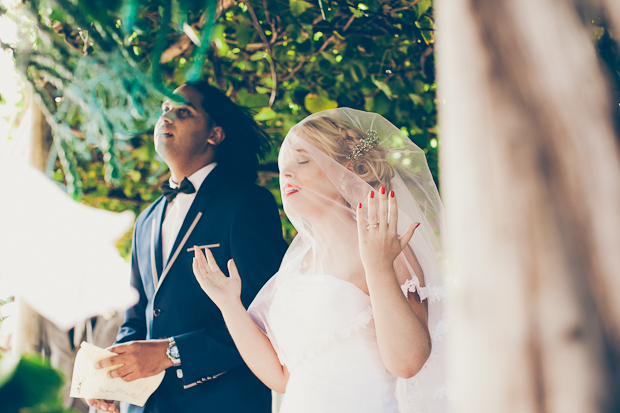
x=531, y=186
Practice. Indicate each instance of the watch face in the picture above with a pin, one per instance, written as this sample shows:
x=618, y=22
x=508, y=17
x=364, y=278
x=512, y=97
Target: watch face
x=173, y=355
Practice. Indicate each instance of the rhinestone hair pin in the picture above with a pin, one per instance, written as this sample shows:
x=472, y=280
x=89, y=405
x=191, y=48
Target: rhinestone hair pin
x=370, y=139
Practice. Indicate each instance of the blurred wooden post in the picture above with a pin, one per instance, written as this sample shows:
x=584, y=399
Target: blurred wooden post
x=531, y=187
x=28, y=329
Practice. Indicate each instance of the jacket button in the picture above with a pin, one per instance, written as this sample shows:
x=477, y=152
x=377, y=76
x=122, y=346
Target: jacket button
x=157, y=312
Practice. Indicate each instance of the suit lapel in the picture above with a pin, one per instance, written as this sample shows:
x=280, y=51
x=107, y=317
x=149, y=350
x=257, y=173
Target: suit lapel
x=204, y=195
x=155, y=249
x=161, y=213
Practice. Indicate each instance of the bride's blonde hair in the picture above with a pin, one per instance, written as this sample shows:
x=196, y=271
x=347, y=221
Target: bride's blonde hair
x=338, y=140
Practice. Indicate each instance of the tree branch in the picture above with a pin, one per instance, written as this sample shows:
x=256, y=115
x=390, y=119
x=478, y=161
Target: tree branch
x=272, y=67
x=346, y=26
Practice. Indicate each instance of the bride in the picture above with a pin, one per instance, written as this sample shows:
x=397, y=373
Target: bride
x=352, y=321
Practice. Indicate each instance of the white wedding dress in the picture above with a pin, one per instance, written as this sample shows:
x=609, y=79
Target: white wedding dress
x=326, y=338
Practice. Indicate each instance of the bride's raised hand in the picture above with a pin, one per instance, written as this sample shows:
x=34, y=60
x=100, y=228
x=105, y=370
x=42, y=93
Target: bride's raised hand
x=379, y=242
x=222, y=290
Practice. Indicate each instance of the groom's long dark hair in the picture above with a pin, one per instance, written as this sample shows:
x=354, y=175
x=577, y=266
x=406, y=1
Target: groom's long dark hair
x=245, y=142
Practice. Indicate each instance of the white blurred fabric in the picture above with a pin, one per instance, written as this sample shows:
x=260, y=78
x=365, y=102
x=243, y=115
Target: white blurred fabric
x=57, y=254
x=321, y=324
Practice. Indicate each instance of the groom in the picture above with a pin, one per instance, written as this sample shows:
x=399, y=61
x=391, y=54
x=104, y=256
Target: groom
x=211, y=147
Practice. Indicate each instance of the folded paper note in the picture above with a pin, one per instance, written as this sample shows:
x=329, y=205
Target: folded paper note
x=90, y=383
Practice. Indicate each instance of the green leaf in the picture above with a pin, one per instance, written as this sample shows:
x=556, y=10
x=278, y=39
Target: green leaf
x=298, y=7
x=177, y=15
x=265, y=114
x=251, y=101
x=267, y=81
x=29, y=382
x=259, y=56
x=383, y=86
x=218, y=39
x=381, y=105
x=425, y=24
x=416, y=99
x=134, y=175
x=317, y=102
x=429, y=105
x=357, y=12
x=418, y=86
x=58, y=14
x=328, y=9
x=244, y=36
x=262, y=90
x=423, y=6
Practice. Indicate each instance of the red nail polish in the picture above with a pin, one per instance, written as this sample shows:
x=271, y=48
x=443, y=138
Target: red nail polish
x=392, y=194
x=418, y=224
x=359, y=205
x=372, y=194
x=382, y=190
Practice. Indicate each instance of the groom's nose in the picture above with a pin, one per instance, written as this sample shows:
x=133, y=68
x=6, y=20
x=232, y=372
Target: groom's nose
x=168, y=117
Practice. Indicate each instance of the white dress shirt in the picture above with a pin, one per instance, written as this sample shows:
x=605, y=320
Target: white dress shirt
x=178, y=208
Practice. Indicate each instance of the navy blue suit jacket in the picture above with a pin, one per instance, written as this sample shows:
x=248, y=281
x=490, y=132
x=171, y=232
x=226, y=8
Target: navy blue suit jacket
x=244, y=220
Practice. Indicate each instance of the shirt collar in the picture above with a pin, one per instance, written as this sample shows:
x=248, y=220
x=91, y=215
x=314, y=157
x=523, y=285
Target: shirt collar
x=198, y=177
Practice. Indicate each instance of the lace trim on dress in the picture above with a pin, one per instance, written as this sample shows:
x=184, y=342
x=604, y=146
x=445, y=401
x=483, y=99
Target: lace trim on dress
x=431, y=293
x=360, y=321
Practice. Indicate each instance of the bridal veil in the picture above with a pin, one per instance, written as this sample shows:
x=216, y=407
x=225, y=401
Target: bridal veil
x=369, y=153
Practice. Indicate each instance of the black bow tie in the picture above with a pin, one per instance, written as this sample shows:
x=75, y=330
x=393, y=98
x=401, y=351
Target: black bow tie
x=170, y=193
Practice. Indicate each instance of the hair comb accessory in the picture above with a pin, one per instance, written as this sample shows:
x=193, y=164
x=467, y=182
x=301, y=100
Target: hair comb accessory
x=370, y=139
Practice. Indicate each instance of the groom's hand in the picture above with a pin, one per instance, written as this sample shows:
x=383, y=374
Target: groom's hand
x=137, y=359
x=103, y=405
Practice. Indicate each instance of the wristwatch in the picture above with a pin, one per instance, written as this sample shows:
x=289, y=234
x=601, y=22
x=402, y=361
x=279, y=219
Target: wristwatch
x=173, y=352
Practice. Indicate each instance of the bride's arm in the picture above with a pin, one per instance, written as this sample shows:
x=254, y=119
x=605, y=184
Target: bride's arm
x=401, y=325
x=254, y=347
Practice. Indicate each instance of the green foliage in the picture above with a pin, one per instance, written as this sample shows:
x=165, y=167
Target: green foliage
x=17, y=392
x=102, y=69
x=298, y=7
